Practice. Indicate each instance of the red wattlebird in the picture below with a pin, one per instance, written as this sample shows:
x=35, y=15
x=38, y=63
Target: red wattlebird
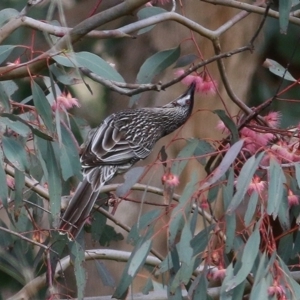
x=121, y=140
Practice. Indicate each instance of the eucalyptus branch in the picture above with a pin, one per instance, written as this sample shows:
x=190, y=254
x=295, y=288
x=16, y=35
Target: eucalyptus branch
x=74, y=35
x=25, y=238
x=252, y=9
x=133, y=89
x=31, y=288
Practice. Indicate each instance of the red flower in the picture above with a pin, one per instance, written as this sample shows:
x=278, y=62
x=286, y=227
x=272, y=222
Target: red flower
x=292, y=198
x=170, y=179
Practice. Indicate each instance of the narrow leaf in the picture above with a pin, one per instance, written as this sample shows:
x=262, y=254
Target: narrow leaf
x=42, y=105
x=154, y=65
x=139, y=258
x=249, y=255
x=182, y=158
x=229, y=124
x=69, y=158
x=15, y=153
x=131, y=178
x=244, y=180
x=276, y=186
x=284, y=13
x=228, y=159
x=277, y=69
x=146, y=13
x=5, y=51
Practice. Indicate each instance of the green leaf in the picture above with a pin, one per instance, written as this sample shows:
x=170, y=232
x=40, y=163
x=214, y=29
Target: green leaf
x=230, y=220
x=154, y=65
x=260, y=291
x=182, y=210
x=144, y=221
x=106, y=278
x=203, y=148
x=15, y=153
x=35, y=131
x=77, y=255
x=182, y=158
x=244, y=180
x=16, y=126
x=108, y=235
x=42, y=105
x=6, y=14
x=225, y=164
x=284, y=13
x=249, y=255
x=91, y=61
x=5, y=51
x=200, y=241
x=285, y=246
x=52, y=174
x=229, y=124
x=62, y=76
x=131, y=177
x=186, y=60
x=3, y=186
x=147, y=12
x=252, y=204
x=276, y=185
x=9, y=87
x=289, y=279
x=4, y=99
x=185, y=251
x=139, y=258
x=69, y=158
x=19, y=186
x=98, y=225
x=277, y=69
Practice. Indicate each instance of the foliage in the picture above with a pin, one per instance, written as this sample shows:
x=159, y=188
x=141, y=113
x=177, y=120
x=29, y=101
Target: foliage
x=252, y=249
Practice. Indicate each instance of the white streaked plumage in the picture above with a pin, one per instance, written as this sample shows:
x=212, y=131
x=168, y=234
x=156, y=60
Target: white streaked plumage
x=121, y=140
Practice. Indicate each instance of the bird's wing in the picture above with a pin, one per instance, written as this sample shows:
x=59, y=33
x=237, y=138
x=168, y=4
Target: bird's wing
x=107, y=146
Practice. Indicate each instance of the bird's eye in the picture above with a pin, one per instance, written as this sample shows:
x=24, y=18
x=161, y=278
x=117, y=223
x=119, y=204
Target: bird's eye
x=188, y=102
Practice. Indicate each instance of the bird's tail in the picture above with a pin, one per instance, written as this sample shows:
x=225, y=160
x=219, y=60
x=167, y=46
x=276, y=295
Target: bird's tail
x=84, y=198
x=78, y=209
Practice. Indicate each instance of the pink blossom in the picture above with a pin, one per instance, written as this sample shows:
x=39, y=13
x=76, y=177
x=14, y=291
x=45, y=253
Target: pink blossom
x=219, y=274
x=65, y=101
x=204, y=204
x=276, y=289
x=292, y=198
x=170, y=179
x=208, y=86
x=10, y=182
x=204, y=84
x=257, y=185
x=283, y=151
x=189, y=79
x=273, y=118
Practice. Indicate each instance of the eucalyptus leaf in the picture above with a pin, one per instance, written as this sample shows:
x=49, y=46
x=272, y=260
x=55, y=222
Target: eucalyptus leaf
x=5, y=51
x=284, y=13
x=42, y=105
x=15, y=153
x=243, y=181
x=277, y=69
x=153, y=66
x=147, y=12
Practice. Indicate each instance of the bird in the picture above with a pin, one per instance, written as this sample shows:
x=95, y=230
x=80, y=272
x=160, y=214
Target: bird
x=112, y=148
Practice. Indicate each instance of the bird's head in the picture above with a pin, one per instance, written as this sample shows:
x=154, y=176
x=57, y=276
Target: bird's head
x=186, y=100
